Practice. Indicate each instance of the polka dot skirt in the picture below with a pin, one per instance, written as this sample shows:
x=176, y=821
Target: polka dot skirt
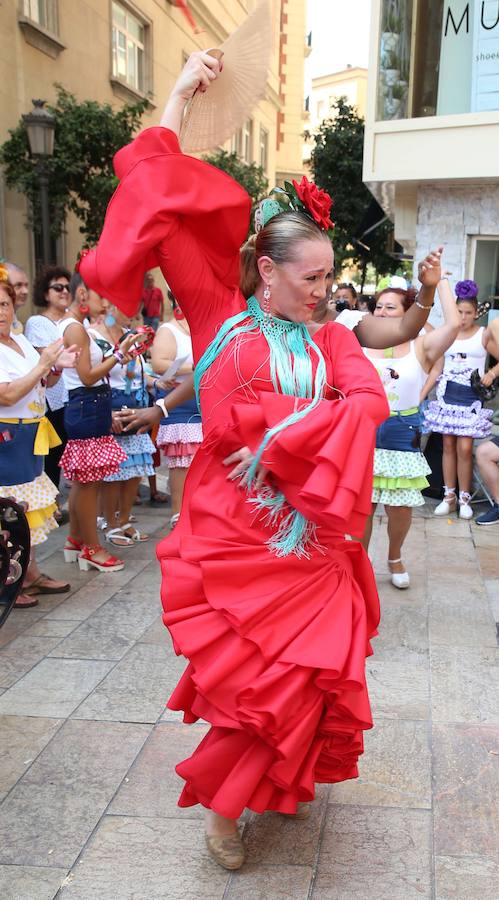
x=92, y=459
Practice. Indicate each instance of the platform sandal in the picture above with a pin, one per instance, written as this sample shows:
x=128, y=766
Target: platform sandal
x=72, y=550
x=86, y=561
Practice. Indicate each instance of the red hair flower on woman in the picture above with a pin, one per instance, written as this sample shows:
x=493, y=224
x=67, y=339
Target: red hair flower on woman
x=316, y=201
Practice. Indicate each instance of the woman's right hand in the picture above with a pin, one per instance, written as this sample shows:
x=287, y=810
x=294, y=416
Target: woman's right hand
x=140, y=419
x=50, y=354
x=198, y=73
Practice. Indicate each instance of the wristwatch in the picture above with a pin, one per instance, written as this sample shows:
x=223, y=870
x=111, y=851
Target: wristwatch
x=161, y=404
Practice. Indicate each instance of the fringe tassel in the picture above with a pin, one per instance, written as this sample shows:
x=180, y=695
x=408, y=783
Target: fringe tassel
x=295, y=534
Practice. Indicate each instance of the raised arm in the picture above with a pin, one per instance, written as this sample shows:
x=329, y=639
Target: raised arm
x=380, y=333
x=173, y=211
x=198, y=73
x=436, y=342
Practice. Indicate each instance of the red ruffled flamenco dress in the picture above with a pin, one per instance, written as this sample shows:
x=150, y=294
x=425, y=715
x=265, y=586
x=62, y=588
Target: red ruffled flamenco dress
x=276, y=645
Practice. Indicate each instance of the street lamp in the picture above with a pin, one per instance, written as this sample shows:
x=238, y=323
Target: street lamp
x=40, y=126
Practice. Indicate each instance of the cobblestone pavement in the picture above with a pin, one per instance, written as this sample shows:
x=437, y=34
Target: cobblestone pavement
x=87, y=785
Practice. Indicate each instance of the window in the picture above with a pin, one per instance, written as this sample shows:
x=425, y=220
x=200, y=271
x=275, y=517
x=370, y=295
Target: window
x=264, y=148
x=485, y=267
x=320, y=110
x=128, y=47
x=242, y=142
x=446, y=65
x=247, y=141
x=43, y=12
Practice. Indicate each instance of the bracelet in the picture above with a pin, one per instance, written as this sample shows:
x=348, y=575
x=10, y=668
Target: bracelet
x=119, y=356
x=161, y=404
x=422, y=306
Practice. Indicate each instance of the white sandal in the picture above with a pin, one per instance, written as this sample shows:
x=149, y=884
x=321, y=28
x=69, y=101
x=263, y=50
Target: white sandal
x=117, y=538
x=399, y=580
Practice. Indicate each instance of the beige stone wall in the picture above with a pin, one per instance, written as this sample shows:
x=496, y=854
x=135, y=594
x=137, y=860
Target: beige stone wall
x=80, y=59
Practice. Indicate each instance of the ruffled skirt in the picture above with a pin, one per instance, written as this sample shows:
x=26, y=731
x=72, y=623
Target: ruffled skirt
x=91, y=459
x=179, y=442
x=399, y=477
x=139, y=450
x=462, y=421
x=276, y=649
x=40, y=495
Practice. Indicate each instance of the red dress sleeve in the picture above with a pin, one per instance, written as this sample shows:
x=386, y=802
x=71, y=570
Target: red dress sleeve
x=179, y=213
x=323, y=464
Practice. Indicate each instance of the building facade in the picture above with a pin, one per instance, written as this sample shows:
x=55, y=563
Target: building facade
x=325, y=90
x=432, y=130
x=117, y=51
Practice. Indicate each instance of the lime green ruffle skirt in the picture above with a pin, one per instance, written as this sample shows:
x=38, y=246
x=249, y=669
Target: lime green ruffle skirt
x=399, y=477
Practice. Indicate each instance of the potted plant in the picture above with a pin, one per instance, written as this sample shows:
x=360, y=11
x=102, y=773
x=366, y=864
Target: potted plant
x=391, y=65
x=391, y=30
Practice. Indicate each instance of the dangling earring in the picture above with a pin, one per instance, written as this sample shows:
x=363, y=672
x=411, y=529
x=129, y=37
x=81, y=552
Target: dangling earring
x=266, y=301
x=84, y=309
x=109, y=320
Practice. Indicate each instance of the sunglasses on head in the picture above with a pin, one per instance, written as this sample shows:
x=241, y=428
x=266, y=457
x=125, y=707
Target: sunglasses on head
x=59, y=288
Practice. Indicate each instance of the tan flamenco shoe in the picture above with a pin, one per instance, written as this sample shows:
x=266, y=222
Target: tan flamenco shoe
x=226, y=850
x=303, y=811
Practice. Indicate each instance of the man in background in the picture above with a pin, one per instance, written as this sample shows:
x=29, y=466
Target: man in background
x=152, y=303
x=19, y=281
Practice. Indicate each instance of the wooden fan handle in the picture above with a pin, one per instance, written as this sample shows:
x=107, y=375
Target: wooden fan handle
x=217, y=54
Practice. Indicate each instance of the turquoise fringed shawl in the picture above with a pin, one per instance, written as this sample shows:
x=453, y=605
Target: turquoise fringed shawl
x=291, y=373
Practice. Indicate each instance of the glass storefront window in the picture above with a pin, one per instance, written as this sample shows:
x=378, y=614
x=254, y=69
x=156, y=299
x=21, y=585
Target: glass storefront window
x=438, y=57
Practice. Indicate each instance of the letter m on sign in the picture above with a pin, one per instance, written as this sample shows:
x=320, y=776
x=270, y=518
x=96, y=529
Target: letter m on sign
x=450, y=20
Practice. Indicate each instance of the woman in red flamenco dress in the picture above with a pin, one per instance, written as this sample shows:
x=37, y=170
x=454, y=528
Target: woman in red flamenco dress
x=261, y=593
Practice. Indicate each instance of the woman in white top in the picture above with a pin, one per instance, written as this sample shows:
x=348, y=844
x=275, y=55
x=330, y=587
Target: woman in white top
x=457, y=412
x=181, y=433
x=400, y=469
x=128, y=390
x=26, y=435
x=51, y=295
x=91, y=452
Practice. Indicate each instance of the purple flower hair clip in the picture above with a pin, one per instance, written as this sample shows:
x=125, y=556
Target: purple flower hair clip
x=466, y=290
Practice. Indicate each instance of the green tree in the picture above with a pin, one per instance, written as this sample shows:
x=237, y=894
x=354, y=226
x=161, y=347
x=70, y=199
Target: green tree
x=336, y=164
x=251, y=177
x=81, y=177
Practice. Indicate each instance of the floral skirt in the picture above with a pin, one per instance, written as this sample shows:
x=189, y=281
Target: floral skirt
x=399, y=477
x=139, y=451
x=91, y=459
x=179, y=442
x=40, y=495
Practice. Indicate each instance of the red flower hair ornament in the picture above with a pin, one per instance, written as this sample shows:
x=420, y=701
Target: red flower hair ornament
x=304, y=197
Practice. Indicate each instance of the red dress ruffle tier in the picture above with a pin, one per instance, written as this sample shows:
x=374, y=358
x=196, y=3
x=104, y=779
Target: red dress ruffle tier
x=276, y=645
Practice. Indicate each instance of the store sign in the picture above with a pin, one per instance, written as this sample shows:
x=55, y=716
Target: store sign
x=469, y=57
x=456, y=51
x=485, y=67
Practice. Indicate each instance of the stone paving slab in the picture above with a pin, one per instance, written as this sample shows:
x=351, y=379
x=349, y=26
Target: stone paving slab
x=395, y=769
x=30, y=882
x=152, y=787
x=22, y=738
x=133, y=858
x=466, y=878
x=466, y=775
x=259, y=882
x=374, y=854
x=399, y=689
x=21, y=655
x=465, y=685
x=137, y=688
x=49, y=815
x=273, y=839
x=54, y=687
